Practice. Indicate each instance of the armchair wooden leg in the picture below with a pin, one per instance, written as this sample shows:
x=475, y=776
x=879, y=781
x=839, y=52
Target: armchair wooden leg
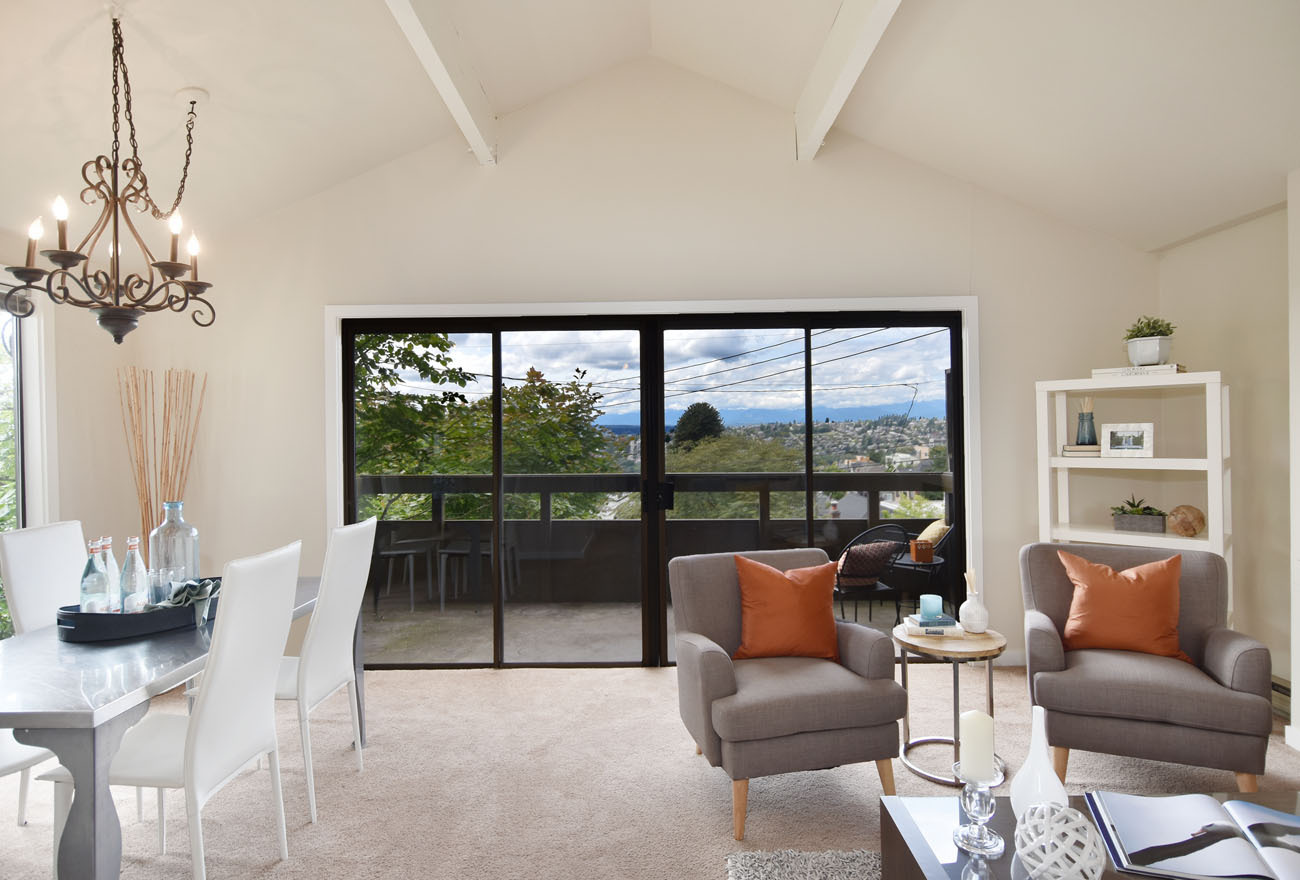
x=1060, y=758
x=885, y=767
x=739, y=804
x=1247, y=783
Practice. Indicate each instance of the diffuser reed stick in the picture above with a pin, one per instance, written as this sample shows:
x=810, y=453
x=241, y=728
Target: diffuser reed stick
x=160, y=460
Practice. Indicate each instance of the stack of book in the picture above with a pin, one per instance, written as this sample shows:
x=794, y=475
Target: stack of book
x=1081, y=450
x=1153, y=370
x=941, y=625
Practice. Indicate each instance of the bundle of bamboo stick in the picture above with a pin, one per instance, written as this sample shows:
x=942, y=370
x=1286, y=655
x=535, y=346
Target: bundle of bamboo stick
x=160, y=462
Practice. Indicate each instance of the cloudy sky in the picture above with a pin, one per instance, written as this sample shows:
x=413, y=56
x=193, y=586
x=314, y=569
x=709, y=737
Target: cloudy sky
x=749, y=375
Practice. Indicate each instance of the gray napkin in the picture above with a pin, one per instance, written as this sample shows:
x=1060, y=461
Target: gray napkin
x=198, y=593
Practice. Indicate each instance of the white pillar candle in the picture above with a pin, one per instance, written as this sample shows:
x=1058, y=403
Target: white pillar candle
x=976, y=745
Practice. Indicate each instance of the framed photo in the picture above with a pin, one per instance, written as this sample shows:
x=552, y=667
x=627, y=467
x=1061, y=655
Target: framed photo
x=1135, y=440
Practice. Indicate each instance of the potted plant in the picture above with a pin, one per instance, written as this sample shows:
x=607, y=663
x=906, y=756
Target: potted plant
x=1148, y=341
x=1135, y=515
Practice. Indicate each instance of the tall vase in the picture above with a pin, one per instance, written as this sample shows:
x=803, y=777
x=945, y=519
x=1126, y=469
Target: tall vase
x=1036, y=781
x=973, y=615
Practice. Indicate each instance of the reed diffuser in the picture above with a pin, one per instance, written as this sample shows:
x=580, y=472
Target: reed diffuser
x=160, y=454
x=1087, y=433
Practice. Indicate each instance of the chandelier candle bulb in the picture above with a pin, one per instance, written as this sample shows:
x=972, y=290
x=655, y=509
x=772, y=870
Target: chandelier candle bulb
x=34, y=233
x=976, y=745
x=60, y=208
x=193, y=248
x=174, y=225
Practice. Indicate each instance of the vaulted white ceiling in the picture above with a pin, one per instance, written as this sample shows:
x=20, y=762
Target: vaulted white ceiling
x=1150, y=120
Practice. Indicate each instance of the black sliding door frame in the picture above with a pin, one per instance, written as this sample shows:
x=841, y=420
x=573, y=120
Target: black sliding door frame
x=653, y=528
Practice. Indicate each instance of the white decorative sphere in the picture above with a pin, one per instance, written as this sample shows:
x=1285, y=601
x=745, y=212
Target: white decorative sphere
x=1059, y=843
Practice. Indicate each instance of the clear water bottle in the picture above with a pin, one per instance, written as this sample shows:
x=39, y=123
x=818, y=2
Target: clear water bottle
x=112, y=572
x=135, y=579
x=94, y=581
x=174, y=546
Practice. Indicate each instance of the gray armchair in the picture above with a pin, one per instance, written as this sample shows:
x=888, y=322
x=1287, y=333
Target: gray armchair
x=777, y=714
x=1214, y=712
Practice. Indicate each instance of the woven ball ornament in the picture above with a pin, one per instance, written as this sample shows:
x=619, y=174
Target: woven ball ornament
x=1059, y=843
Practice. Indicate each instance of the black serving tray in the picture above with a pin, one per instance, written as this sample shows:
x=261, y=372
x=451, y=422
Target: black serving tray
x=75, y=625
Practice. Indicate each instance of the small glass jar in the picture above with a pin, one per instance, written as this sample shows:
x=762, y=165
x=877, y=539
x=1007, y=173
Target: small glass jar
x=1087, y=433
x=174, y=546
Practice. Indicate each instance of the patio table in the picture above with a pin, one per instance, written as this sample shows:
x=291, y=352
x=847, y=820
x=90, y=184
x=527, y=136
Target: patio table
x=77, y=699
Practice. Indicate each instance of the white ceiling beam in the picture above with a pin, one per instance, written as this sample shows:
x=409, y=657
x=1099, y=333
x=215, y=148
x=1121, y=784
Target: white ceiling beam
x=437, y=45
x=857, y=30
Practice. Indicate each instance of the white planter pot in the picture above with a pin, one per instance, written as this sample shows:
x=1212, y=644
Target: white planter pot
x=1148, y=350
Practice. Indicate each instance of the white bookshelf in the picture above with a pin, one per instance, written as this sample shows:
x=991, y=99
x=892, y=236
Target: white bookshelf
x=1058, y=475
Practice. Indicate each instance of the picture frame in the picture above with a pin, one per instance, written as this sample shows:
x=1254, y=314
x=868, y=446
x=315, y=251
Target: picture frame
x=1128, y=440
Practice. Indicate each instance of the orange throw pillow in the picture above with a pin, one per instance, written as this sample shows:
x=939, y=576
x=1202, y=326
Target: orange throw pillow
x=1131, y=610
x=786, y=613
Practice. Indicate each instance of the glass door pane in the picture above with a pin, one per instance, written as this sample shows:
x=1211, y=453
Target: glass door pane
x=880, y=447
x=422, y=428
x=571, y=443
x=11, y=470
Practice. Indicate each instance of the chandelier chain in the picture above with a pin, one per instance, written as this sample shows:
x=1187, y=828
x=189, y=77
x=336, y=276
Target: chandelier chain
x=119, y=61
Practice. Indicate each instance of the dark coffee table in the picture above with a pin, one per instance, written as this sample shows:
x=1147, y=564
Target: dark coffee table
x=916, y=835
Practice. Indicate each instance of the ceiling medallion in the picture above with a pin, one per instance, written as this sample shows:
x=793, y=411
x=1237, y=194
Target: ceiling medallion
x=118, y=302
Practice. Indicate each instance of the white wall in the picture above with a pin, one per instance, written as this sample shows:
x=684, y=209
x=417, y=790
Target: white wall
x=643, y=183
x=1227, y=295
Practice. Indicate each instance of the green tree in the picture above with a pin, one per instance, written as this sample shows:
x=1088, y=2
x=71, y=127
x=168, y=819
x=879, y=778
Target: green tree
x=939, y=458
x=699, y=421
x=396, y=428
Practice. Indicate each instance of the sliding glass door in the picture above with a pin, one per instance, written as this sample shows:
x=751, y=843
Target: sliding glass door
x=534, y=476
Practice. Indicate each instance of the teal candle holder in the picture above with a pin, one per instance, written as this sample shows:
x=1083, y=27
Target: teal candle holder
x=931, y=606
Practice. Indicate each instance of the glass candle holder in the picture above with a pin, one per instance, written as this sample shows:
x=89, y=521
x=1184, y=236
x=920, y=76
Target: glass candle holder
x=977, y=802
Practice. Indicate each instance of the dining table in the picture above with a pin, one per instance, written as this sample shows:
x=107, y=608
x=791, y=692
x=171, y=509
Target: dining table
x=77, y=699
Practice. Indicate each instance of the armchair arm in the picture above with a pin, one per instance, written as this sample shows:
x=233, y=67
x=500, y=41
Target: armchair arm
x=865, y=651
x=704, y=674
x=1237, y=661
x=1043, y=649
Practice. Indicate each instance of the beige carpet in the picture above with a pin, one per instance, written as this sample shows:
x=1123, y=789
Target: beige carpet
x=550, y=773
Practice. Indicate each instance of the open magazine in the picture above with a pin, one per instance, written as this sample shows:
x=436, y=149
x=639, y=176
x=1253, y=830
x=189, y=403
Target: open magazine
x=1195, y=836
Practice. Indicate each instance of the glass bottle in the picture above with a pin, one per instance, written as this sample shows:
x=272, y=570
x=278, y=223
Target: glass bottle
x=112, y=573
x=94, y=583
x=135, y=579
x=174, y=546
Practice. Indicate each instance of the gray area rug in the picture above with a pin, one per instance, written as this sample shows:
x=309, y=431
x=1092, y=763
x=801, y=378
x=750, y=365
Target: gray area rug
x=790, y=864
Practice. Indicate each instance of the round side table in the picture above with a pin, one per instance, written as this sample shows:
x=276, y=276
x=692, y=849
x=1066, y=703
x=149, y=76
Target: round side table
x=955, y=650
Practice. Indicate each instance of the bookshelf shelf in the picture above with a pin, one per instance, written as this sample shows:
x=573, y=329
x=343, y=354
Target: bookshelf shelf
x=1132, y=464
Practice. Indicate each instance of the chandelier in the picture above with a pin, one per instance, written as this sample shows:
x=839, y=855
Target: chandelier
x=82, y=279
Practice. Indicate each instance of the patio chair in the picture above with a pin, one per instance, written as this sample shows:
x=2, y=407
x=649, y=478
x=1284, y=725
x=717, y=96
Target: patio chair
x=862, y=571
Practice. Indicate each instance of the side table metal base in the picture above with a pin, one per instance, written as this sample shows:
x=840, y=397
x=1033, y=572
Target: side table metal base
x=999, y=765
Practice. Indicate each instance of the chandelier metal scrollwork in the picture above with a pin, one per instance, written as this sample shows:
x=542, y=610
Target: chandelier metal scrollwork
x=115, y=186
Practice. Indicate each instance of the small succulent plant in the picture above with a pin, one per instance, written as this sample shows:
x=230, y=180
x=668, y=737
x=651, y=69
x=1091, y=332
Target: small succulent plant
x=1149, y=326
x=1135, y=506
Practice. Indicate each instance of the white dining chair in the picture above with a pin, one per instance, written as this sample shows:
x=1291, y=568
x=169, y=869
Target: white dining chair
x=233, y=722
x=325, y=663
x=40, y=568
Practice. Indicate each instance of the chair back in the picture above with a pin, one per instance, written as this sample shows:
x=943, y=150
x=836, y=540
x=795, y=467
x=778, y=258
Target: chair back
x=234, y=716
x=1202, y=586
x=706, y=590
x=326, y=657
x=40, y=568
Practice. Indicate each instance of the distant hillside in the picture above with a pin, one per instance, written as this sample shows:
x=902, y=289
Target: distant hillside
x=627, y=423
